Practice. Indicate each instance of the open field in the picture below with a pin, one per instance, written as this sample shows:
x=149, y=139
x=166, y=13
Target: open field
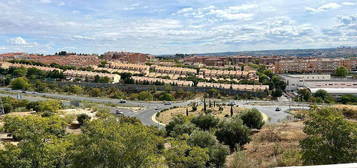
x=166, y=116
x=274, y=145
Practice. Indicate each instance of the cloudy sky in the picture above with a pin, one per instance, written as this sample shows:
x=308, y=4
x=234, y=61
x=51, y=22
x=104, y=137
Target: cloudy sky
x=175, y=26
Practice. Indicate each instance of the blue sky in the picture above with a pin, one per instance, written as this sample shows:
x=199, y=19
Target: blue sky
x=175, y=26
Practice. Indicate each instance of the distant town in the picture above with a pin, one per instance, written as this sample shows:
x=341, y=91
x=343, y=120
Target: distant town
x=222, y=72
x=193, y=110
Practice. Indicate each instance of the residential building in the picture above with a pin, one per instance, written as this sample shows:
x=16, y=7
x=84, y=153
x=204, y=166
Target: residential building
x=314, y=65
x=174, y=70
x=133, y=67
x=207, y=73
x=127, y=57
x=139, y=79
x=7, y=65
x=234, y=86
x=74, y=74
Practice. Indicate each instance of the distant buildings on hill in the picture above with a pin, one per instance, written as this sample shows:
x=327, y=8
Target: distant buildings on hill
x=127, y=57
x=277, y=64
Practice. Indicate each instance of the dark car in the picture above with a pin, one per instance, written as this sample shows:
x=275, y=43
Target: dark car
x=167, y=103
x=119, y=112
x=278, y=109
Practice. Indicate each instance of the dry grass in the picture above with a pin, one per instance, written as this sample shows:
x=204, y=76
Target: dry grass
x=274, y=145
x=349, y=111
x=166, y=116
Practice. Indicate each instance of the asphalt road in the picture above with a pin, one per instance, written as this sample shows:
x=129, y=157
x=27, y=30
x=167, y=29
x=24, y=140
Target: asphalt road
x=151, y=108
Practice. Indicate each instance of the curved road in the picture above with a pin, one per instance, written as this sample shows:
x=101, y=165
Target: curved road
x=151, y=108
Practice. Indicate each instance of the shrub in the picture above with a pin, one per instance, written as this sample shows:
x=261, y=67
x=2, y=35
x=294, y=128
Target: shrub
x=81, y=118
x=252, y=118
x=205, y=122
x=233, y=132
x=218, y=154
x=202, y=139
x=166, y=97
x=20, y=83
x=330, y=138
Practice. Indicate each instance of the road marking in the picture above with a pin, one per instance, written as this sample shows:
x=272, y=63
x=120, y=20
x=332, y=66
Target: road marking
x=153, y=118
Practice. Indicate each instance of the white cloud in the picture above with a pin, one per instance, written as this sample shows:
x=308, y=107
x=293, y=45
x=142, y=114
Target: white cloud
x=20, y=42
x=243, y=7
x=230, y=13
x=329, y=6
x=184, y=10
x=231, y=16
x=80, y=37
x=348, y=3
x=323, y=8
x=17, y=41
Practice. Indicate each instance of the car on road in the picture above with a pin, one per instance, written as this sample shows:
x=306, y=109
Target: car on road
x=167, y=103
x=278, y=109
x=122, y=101
x=119, y=112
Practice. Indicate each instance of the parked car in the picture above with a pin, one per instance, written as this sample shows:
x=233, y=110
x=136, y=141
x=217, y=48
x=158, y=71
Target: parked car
x=122, y=101
x=278, y=109
x=119, y=112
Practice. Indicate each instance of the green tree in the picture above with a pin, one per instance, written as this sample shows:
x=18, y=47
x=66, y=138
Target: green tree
x=39, y=86
x=330, y=138
x=277, y=93
x=30, y=126
x=213, y=93
x=181, y=155
x=166, y=97
x=145, y=95
x=20, y=83
x=38, y=152
x=323, y=95
x=233, y=132
x=348, y=98
x=341, y=72
x=205, y=122
x=252, y=118
x=202, y=139
x=75, y=89
x=108, y=143
x=49, y=106
x=95, y=92
x=20, y=72
x=179, y=125
x=217, y=155
x=304, y=94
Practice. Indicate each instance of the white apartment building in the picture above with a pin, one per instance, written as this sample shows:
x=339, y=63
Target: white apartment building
x=295, y=81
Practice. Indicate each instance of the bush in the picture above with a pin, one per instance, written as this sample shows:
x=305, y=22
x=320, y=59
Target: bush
x=178, y=120
x=205, y=122
x=218, y=154
x=20, y=83
x=233, y=132
x=166, y=97
x=330, y=138
x=252, y=118
x=202, y=139
x=145, y=96
x=81, y=118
